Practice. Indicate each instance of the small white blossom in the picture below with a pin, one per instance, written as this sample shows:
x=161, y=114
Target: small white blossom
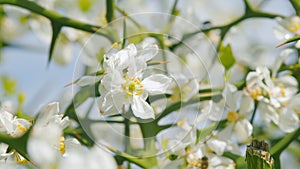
x=132, y=88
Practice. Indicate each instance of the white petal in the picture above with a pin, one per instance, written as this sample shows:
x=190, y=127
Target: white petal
x=190, y=89
x=47, y=112
x=246, y=106
x=284, y=55
x=268, y=113
x=243, y=130
x=231, y=96
x=226, y=133
x=218, y=146
x=112, y=102
x=288, y=120
x=141, y=108
x=148, y=52
x=233, y=147
x=156, y=84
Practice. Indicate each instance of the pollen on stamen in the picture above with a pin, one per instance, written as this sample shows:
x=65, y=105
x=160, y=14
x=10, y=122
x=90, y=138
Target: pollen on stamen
x=232, y=116
x=21, y=127
x=62, y=146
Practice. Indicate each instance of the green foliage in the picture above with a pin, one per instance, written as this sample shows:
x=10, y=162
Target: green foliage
x=226, y=56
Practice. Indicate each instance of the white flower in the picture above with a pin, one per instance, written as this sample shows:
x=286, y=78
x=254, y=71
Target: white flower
x=276, y=97
x=240, y=107
x=12, y=125
x=15, y=127
x=88, y=158
x=288, y=27
x=196, y=157
x=46, y=143
x=132, y=88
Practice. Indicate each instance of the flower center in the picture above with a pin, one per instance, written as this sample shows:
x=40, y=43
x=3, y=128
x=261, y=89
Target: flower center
x=294, y=27
x=133, y=86
x=232, y=116
x=282, y=90
x=255, y=93
x=181, y=122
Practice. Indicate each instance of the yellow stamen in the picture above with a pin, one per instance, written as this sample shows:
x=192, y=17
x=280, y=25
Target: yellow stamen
x=181, y=122
x=21, y=159
x=282, y=90
x=255, y=93
x=62, y=146
x=115, y=45
x=232, y=116
x=20, y=127
x=209, y=150
x=133, y=86
x=295, y=27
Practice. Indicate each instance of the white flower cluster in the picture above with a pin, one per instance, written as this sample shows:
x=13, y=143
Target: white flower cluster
x=46, y=146
x=126, y=82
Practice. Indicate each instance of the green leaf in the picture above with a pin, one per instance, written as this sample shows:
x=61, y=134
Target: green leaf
x=293, y=39
x=109, y=10
x=226, y=56
x=9, y=85
x=56, y=28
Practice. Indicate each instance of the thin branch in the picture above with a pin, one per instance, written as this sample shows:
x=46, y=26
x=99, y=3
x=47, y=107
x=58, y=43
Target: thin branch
x=56, y=17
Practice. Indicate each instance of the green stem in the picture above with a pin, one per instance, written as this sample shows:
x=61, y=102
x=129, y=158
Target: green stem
x=249, y=13
x=279, y=147
x=127, y=134
x=129, y=17
x=109, y=10
x=284, y=142
x=254, y=112
x=55, y=17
